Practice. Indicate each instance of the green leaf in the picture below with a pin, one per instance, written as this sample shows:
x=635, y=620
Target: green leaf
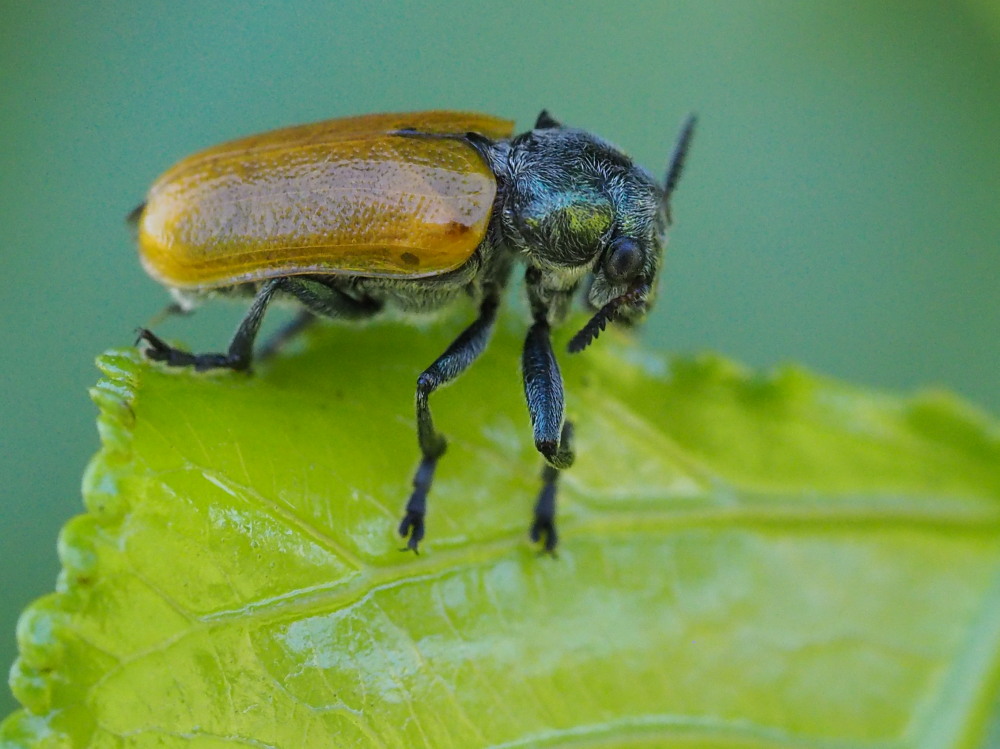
x=747, y=561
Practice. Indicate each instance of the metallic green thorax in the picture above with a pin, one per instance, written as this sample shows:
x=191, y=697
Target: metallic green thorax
x=579, y=212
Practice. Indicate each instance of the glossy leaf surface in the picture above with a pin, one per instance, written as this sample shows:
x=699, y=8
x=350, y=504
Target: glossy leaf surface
x=746, y=561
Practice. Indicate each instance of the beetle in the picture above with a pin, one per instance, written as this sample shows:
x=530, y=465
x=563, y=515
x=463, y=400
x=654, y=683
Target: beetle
x=351, y=217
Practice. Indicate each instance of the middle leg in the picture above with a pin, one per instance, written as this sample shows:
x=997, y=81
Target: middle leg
x=454, y=361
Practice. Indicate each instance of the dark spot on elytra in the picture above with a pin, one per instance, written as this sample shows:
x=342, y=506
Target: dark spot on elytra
x=410, y=259
x=456, y=228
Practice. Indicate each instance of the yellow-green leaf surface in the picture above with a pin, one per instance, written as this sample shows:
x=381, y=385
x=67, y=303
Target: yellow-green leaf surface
x=747, y=561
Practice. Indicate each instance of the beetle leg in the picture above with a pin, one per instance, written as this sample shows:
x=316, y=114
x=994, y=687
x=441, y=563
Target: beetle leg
x=543, y=528
x=543, y=390
x=328, y=301
x=454, y=361
x=240, y=352
x=304, y=319
x=320, y=300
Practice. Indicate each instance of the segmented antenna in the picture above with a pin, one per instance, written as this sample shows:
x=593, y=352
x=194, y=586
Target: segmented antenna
x=589, y=332
x=676, y=165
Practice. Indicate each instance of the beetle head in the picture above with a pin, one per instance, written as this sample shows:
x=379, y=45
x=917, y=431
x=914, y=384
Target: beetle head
x=625, y=253
x=579, y=206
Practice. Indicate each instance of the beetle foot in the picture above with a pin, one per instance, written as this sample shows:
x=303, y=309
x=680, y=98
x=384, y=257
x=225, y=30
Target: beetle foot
x=159, y=350
x=416, y=508
x=543, y=530
x=412, y=526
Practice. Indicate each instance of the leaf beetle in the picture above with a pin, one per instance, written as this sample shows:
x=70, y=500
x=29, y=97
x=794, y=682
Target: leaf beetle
x=354, y=216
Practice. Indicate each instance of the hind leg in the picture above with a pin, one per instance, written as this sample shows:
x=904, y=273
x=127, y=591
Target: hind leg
x=319, y=300
x=240, y=353
x=303, y=319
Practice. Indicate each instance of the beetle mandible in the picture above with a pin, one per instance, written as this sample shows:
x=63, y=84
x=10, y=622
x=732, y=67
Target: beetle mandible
x=353, y=216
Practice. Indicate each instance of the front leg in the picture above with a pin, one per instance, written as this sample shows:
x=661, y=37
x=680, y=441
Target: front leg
x=453, y=362
x=543, y=389
x=543, y=527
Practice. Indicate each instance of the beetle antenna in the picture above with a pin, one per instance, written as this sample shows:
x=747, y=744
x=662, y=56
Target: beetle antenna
x=589, y=332
x=676, y=165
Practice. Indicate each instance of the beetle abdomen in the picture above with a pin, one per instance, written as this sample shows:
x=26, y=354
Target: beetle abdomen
x=342, y=197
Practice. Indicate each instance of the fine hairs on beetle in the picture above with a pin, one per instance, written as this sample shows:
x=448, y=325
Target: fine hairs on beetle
x=415, y=211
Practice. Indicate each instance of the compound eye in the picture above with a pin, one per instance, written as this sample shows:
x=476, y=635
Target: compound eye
x=623, y=260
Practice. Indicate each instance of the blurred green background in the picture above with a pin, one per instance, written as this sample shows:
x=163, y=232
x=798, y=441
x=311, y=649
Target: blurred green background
x=840, y=206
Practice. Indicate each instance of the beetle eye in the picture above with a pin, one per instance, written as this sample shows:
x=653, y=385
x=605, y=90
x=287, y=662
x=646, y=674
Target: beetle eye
x=623, y=260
